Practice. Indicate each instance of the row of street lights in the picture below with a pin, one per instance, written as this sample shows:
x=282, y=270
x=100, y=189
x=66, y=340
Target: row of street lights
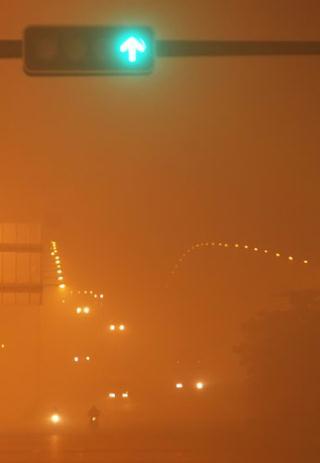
x=57, y=261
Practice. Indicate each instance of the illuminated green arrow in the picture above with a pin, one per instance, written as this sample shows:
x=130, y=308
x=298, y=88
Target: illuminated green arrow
x=132, y=46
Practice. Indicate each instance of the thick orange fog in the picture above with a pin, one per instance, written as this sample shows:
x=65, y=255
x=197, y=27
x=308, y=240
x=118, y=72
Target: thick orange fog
x=196, y=352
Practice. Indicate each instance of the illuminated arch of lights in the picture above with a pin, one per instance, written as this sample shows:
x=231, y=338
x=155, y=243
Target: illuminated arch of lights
x=238, y=247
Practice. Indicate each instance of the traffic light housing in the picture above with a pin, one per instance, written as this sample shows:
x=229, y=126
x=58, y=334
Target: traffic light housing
x=88, y=50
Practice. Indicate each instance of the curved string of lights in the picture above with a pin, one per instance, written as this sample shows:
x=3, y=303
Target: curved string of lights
x=238, y=247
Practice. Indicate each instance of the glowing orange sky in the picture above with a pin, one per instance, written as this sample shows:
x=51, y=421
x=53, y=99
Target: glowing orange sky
x=126, y=173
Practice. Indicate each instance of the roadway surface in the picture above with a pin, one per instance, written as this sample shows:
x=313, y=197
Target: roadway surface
x=158, y=446
x=96, y=448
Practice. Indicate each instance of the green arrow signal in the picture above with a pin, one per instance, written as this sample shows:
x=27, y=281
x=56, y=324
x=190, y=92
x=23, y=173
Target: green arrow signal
x=132, y=46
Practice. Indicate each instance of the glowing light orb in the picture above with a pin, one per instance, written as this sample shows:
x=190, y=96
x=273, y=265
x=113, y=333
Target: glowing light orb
x=199, y=385
x=55, y=418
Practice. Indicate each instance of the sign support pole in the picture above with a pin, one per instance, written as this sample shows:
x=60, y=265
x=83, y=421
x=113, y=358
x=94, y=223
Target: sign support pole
x=10, y=49
x=203, y=48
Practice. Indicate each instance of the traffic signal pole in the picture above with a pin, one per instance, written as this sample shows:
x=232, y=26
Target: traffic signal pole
x=185, y=48
x=202, y=48
x=11, y=49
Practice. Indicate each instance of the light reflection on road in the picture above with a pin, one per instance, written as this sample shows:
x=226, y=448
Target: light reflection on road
x=89, y=449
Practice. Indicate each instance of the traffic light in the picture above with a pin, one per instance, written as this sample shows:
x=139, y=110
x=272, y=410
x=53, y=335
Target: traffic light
x=88, y=50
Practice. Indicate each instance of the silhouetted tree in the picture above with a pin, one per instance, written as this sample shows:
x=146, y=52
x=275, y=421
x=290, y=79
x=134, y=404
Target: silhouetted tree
x=281, y=353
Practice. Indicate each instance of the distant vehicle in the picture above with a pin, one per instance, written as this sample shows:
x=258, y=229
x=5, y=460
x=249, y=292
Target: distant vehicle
x=93, y=415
